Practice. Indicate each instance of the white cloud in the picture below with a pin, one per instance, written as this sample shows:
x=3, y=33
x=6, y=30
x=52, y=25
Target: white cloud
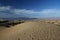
x=18, y=11
x=50, y=11
x=5, y=8
x=44, y=12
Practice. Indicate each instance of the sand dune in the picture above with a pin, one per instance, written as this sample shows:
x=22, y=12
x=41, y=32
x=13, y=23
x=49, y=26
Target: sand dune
x=33, y=30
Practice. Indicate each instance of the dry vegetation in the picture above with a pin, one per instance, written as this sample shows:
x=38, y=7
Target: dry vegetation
x=7, y=23
x=56, y=22
x=33, y=30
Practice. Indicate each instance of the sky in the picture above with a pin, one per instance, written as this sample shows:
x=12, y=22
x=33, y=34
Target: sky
x=29, y=8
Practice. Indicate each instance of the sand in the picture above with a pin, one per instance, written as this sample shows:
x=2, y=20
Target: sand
x=33, y=30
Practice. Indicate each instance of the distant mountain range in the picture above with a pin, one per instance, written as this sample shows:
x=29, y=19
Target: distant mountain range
x=27, y=18
x=52, y=18
x=18, y=18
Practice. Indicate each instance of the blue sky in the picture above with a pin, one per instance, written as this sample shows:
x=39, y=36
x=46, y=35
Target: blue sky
x=30, y=8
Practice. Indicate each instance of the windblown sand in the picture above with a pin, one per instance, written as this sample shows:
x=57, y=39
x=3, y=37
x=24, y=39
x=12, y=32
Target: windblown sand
x=33, y=30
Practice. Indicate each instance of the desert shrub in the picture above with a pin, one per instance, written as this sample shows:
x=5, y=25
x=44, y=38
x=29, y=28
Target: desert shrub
x=7, y=25
x=18, y=38
x=48, y=22
x=20, y=22
x=10, y=23
x=58, y=25
x=52, y=22
x=3, y=21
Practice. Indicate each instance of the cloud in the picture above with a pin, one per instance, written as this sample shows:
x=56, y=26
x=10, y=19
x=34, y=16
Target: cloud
x=44, y=11
x=50, y=11
x=5, y=8
x=18, y=11
x=8, y=11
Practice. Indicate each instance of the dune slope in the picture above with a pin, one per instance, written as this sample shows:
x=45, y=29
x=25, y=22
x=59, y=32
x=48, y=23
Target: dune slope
x=34, y=30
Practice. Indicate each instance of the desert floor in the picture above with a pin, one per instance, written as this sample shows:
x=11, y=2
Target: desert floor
x=32, y=30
